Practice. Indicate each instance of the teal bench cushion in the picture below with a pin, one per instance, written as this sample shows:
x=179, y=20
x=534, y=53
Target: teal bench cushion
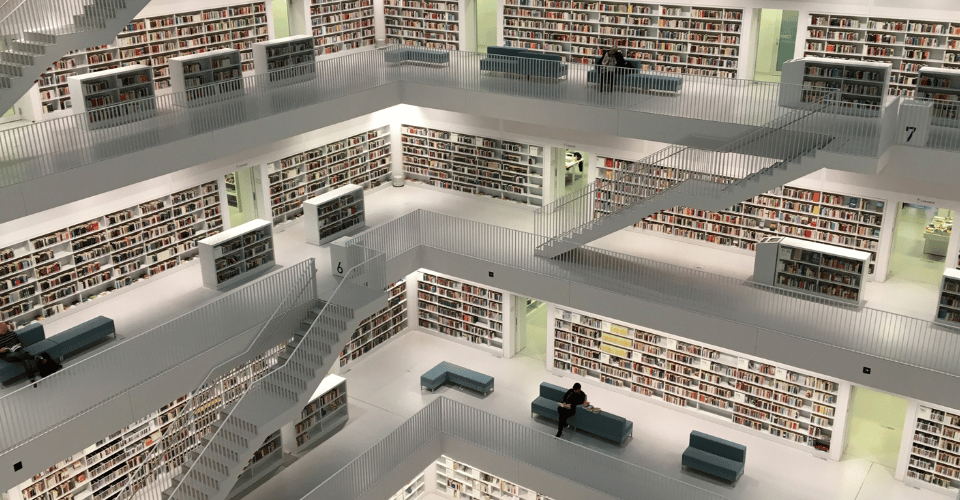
x=551, y=391
x=31, y=334
x=602, y=424
x=449, y=372
x=82, y=335
x=716, y=456
x=418, y=54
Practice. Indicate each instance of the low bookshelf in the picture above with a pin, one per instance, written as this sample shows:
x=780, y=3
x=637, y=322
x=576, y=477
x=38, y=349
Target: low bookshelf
x=464, y=311
x=455, y=479
x=685, y=39
x=267, y=458
x=237, y=255
x=325, y=414
x=379, y=327
x=285, y=61
x=334, y=214
x=58, y=270
x=934, y=461
x=207, y=77
x=150, y=450
x=860, y=86
x=776, y=401
x=416, y=488
x=942, y=85
x=423, y=23
x=474, y=164
x=811, y=267
x=115, y=96
x=844, y=220
x=363, y=159
x=948, y=307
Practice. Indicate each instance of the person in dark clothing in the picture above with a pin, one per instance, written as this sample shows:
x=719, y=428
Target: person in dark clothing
x=611, y=61
x=46, y=365
x=568, y=406
x=10, y=351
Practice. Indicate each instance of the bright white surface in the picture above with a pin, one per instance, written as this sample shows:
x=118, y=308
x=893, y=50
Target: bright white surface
x=952, y=273
x=330, y=195
x=233, y=233
x=824, y=248
x=329, y=382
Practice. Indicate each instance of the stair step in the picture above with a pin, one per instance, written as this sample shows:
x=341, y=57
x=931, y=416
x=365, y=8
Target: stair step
x=88, y=23
x=27, y=47
x=39, y=37
x=260, y=408
x=100, y=11
x=190, y=488
x=225, y=448
x=18, y=58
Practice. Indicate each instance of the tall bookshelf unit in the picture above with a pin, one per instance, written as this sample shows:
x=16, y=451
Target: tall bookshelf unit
x=862, y=85
x=942, y=84
x=153, y=41
x=456, y=479
x=334, y=214
x=934, y=461
x=474, y=164
x=285, y=61
x=339, y=25
x=907, y=44
x=777, y=401
x=325, y=414
x=149, y=450
x=811, y=267
x=678, y=39
x=423, y=23
x=416, y=488
x=828, y=217
x=379, y=327
x=362, y=159
x=465, y=311
x=237, y=255
x=56, y=271
x=115, y=96
x=210, y=76
x=948, y=307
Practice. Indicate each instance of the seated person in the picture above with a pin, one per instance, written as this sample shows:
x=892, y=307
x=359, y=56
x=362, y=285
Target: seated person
x=46, y=365
x=11, y=352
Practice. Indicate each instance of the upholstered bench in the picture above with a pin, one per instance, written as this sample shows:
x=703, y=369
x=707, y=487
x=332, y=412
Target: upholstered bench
x=514, y=60
x=715, y=456
x=636, y=79
x=602, y=424
x=58, y=346
x=455, y=374
x=416, y=54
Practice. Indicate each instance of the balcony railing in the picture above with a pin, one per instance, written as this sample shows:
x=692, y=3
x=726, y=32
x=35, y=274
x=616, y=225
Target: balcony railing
x=61, y=144
x=515, y=444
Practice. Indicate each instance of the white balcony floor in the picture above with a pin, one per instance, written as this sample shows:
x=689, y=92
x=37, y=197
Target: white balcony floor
x=385, y=390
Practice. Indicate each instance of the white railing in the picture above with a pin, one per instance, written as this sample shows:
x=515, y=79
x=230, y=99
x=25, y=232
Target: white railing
x=894, y=337
x=54, y=17
x=55, y=145
x=272, y=302
x=515, y=443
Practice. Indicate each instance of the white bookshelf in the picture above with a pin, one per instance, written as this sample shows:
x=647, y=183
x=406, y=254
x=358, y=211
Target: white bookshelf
x=325, y=414
x=455, y=479
x=423, y=23
x=379, y=327
x=416, y=488
x=474, y=164
x=811, y=267
x=339, y=25
x=461, y=310
x=908, y=45
x=680, y=39
x=209, y=76
x=777, y=401
x=153, y=41
x=948, y=306
x=942, y=84
x=149, y=450
x=861, y=86
x=267, y=458
x=237, y=255
x=846, y=220
x=115, y=96
x=334, y=214
x=285, y=60
x=934, y=461
x=53, y=272
x=363, y=159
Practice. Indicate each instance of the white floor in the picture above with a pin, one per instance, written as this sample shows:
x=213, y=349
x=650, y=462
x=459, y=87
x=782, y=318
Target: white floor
x=384, y=390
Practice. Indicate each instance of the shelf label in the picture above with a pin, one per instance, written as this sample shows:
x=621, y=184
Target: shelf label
x=617, y=329
x=780, y=373
x=923, y=413
x=739, y=397
x=743, y=363
x=604, y=358
x=670, y=343
x=705, y=364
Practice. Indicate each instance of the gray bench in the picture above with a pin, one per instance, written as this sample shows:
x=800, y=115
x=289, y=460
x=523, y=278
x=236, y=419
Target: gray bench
x=57, y=346
x=627, y=77
x=456, y=374
x=715, y=456
x=515, y=60
x=416, y=54
x=602, y=424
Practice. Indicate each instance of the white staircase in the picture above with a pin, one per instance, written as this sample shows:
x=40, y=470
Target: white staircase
x=35, y=33
x=277, y=398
